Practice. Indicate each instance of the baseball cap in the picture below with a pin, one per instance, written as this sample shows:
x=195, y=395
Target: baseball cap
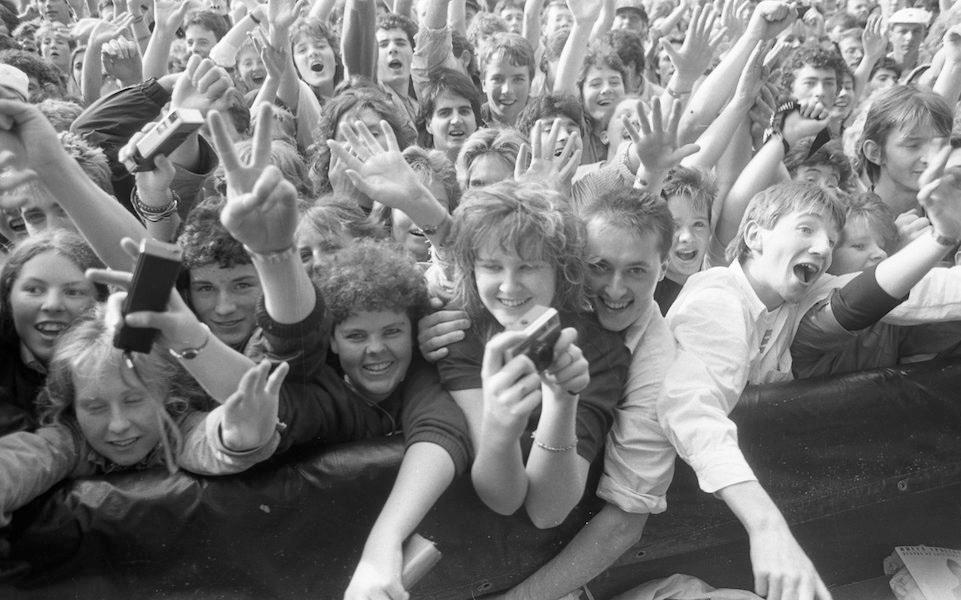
x=910, y=16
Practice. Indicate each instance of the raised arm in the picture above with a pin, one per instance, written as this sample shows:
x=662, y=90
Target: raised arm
x=281, y=15
x=769, y=18
x=169, y=16
x=224, y=52
x=261, y=213
x=603, y=23
x=585, y=14
x=875, y=44
x=694, y=56
x=532, y=22
x=358, y=41
x=655, y=145
x=948, y=83
x=92, y=74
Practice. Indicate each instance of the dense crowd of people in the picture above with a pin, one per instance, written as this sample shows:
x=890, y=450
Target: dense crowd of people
x=709, y=194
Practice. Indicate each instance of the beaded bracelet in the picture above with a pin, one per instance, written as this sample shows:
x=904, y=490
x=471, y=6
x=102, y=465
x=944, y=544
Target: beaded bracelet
x=154, y=214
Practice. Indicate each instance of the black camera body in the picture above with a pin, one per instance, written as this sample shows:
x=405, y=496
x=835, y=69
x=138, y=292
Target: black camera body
x=542, y=327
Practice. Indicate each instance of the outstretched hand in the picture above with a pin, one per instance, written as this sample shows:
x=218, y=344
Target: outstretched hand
x=378, y=170
x=940, y=195
x=656, y=145
x=250, y=413
x=201, y=85
x=699, y=47
x=261, y=210
x=548, y=164
x=28, y=144
x=782, y=571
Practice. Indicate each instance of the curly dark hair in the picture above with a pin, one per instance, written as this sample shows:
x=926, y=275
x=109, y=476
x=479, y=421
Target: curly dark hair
x=550, y=106
x=810, y=56
x=439, y=82
x=206, y=241
x=830, y=154
x=396, y=21
x=46, y=75
x=372, y=275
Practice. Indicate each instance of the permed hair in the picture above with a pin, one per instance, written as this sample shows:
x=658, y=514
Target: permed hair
x=697, y=185
x=510, y=47
x=780, y=200
x=550, y=107
x=332, y=215
x=485, y=24
x=60, y=113
x=372, y=275
x=205, y=241
x=635, y=211
x=599, y=56
x=503, y=143
x=525, y=219
x=67, y=244
x=901, y=107
x=629, y=46
x=92, y=160
x=810, y=56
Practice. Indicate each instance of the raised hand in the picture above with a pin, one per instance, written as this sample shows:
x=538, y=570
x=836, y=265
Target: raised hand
x=546, y=165
x=873, y=38
x=940, y=195
x=700, y=44
x=250, y=413
x=105, y=31
x=808, y=120
x=201, y=85
x=655, y=145
x=585, y=12
x=512, y=389
x=261, y=210
x=169, y=14
x=952, y=45
x=733, y=15
x=32, y=143
x=770, y=18
x=281, y=15
x=121, y=60
x=379, y=172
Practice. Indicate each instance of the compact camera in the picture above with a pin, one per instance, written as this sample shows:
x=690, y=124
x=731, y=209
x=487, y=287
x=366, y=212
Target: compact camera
x=542, y=327
x=164, y=137
x=154, y=277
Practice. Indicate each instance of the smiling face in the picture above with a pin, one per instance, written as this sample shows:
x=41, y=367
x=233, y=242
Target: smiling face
x=375, y=349
x=49, y=293
x=118, y=420
x=510, y=285
x=507, y=87
x=226, y=300
x=394, y=57
x=692, y=236
x=200, y=40
x=860, y=248
x=250, y=68
x=452, y=121
x=623, y=270
x=603, y=88
x=788, y=258
x=315, y=61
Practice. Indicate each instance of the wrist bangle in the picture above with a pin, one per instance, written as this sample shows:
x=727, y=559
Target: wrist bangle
x=253, y=18
x=555, y=449
x=272, y=258
x=154, y=214
x=191, y=353
x=944, y=240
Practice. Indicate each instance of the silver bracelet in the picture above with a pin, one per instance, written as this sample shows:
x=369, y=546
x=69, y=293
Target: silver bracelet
x=272, y=257
x=154, y=214
x=555, y=449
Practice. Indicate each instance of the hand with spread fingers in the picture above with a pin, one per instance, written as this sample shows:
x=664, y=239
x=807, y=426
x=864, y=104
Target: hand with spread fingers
x=549, y=164
x=656, y=145
x=250, y=413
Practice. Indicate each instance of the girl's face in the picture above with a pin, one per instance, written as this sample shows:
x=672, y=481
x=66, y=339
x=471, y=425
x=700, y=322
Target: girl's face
x=510, y=285
x=250, y=69
x=375, y=349
x=315, y=61
x=119, y=421
x=314, y=245
x=56, y=50
x=906, y=153
x=603, y=88
x=692, y=236
x=46, y=297
x=226, y=300
x=860, y=248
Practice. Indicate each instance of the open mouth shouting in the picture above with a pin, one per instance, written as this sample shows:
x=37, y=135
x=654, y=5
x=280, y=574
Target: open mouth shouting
x=807, y=272
x=395, y=64
x=317, y=66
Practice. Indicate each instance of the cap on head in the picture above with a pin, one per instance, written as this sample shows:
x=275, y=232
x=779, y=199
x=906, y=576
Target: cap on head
x=635, y=5
x=910, y=16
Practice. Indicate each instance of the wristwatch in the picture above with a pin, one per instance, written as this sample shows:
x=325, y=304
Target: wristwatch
x=191, y=353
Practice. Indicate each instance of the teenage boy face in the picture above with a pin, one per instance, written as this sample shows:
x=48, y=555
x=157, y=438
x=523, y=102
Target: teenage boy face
x=623, y=270
x=514, y=17
x=507, y=87
x=860, y=248
x=226, y=300
x=906, y=38
x=813, y=82
x=452, y=121
x=852, y=51
x=906, y=153
x=557, y=17
x=790, y=256
x=823, y=175
x=200, y=40
x=883, y=79
x=315, y=60
x=394, y=58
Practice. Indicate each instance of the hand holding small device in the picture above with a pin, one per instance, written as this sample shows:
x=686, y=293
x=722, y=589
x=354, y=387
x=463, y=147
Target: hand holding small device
x=165, y=136
x=154, y=277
